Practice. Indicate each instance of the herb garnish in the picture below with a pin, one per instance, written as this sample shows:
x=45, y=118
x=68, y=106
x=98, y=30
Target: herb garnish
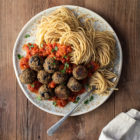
x=63, y=71
x=91, y=98
x=53, y=63
x=88, y=100
x=54, y=103
x=30, y=46
x=66, y=65
x=32, y=85
x=77, y=99
x=19, y=56
x=38, y=98
x=27, y=35
x=41, y=45
x=55, y=48
x=65, y=56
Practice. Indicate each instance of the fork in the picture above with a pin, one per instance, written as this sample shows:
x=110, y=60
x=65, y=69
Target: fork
x=53, y=128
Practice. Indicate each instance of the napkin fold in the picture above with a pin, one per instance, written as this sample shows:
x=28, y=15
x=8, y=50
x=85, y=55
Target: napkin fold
x=125, y=126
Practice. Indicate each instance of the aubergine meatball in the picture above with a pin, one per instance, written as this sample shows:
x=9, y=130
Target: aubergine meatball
x=62, y=92
x=74, y=85
x=51, y=65
x=45, y=92
x=36, y=62
x=59, y=77
x=80, y=72
x=28, y=76
x=43, y=77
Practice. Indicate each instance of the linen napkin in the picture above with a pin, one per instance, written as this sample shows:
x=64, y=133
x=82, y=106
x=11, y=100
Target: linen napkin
x=125, y=126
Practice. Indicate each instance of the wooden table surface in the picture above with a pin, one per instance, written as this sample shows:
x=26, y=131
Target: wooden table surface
x=21, y=120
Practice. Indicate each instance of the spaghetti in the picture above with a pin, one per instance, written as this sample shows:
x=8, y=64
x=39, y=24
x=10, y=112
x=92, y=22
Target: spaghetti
x=103, y=80
x=65, y=27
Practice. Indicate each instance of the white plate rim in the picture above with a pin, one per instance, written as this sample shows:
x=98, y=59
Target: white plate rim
x=16, y=73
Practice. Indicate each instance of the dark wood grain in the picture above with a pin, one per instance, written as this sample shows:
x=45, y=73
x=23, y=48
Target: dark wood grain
x=21, y=120
x=129, y=94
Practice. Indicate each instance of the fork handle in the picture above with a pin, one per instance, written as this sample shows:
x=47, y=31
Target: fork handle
x=53, y=128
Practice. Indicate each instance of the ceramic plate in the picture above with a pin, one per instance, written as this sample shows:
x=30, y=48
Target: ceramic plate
x=30, y=28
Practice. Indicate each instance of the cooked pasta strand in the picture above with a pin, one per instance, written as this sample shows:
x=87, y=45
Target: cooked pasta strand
x=103, y=80
x=65, y=27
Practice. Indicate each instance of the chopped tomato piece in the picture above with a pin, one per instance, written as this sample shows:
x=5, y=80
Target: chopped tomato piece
x=95, y=65
x=34, y=87
x=52, y=84
x=61, y=103
x=69, y=70
x=23, y=63
x=72, y=98
x=80, y=92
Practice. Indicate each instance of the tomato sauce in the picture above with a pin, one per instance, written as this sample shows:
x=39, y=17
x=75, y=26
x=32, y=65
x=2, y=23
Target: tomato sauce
x=34, y=87
x=92, y=67
x=58, y=52
x=24, y=63
x=52, y=84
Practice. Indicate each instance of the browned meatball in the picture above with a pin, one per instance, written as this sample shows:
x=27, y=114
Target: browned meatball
x=36, y=62
x=28, y=76
x=45, y=92
x=74, y=85
x=59, y=77
x=43, y=77
x=80, y=72
x=51, y=65
x=62, y=92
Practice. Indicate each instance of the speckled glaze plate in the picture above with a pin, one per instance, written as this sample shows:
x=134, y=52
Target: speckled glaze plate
x=30, y=28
